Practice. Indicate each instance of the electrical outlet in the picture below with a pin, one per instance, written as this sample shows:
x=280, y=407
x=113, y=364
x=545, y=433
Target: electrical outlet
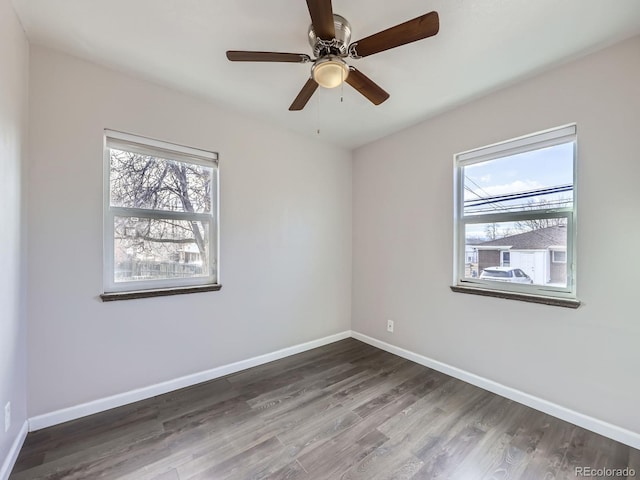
x=390, y=326
x=7, y=416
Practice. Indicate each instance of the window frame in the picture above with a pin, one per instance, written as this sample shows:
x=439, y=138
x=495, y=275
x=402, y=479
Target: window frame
x=535, y=141
x=553, y=256
x=503, y=254
x=168, y=151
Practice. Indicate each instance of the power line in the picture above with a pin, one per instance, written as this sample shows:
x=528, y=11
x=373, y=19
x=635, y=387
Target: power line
x=520, y=206
x=469, y=189
x=518, y=195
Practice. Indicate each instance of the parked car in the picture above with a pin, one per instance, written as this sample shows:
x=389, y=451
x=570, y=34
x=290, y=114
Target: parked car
x=505, y=274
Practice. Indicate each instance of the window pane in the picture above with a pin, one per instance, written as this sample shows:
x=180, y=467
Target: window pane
x=152, y=249
x=149, y=182
x=560, y=257
x=540, y=179
x=530, y=245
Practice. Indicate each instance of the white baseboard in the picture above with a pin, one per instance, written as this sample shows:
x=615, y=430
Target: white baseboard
x=60, y=416
x=10, y=461
x=71, y=413
x=609, y=430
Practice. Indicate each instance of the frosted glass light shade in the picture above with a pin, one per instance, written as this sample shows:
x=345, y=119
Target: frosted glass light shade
x=330, y=73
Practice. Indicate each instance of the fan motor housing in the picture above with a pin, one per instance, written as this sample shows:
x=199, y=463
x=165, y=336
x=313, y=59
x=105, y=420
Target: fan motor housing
x=335, y=46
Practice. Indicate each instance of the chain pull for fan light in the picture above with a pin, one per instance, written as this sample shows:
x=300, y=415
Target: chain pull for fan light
x=318, y=115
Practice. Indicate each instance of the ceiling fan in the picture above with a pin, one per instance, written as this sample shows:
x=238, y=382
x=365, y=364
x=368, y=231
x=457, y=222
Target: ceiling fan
x=329, y=37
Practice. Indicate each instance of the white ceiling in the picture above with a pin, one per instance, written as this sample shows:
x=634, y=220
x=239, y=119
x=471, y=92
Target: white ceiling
x=482, y=45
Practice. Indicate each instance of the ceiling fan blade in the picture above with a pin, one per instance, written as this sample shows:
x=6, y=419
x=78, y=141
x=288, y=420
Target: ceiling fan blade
x=245, y=56
x=366, y=86
x=304, y=95
x=421, y=27
x=321, y=13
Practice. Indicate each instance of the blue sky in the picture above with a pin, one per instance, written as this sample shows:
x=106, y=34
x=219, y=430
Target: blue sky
x=543, y=168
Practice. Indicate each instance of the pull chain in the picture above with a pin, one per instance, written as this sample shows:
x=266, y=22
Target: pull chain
x=318, y=114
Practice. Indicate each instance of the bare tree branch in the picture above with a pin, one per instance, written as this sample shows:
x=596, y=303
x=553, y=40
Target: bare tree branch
x=142, y=181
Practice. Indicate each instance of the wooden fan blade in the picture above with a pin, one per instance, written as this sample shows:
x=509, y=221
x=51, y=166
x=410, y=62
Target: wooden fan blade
x=321, y=13
x=421, y=27
x=304, y=95
x=366, y=86
x=245, y=56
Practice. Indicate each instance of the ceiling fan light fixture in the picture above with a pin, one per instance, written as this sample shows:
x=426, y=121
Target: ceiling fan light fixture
x=330, y=72
x=330, y=38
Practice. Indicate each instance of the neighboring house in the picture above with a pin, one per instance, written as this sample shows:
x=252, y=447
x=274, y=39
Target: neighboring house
x=471, y=259
x=470, y=254
x=541, y=254
x=190, y=254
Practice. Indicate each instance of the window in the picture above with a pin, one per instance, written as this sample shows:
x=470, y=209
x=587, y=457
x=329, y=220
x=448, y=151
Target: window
x=161, y=210
x=558, y=256
x=514, y=206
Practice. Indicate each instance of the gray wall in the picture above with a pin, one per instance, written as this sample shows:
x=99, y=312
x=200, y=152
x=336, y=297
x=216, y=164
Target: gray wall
x=585, y=359
x=285, y=239
x=14, y=55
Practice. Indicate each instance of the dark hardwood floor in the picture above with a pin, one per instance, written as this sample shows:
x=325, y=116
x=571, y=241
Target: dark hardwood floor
x=343, y=411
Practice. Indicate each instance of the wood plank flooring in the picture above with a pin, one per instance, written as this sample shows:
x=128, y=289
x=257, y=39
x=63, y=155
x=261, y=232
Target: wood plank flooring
x=344, y=411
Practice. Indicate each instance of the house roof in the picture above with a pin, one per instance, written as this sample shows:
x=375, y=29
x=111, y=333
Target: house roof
x=534, y=240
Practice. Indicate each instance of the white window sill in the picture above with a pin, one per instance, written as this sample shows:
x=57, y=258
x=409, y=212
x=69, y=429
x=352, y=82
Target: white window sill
x=160, y=292
x=523, y=297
